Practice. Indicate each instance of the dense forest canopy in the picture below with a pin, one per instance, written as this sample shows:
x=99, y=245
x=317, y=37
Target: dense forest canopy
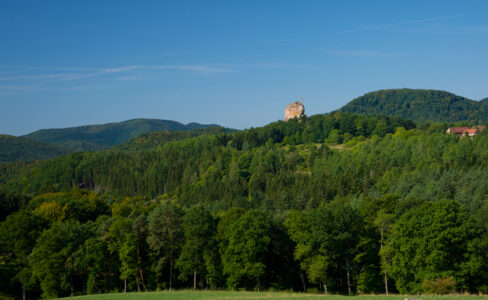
x=99, y=137
x=419, y=105
x=337, y=203
x=155, y=139
x=21, y=149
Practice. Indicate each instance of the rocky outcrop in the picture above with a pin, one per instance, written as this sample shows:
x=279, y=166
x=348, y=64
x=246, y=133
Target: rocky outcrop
x=294, y=110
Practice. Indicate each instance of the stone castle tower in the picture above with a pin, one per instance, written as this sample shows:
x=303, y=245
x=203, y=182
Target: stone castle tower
x=294, y=110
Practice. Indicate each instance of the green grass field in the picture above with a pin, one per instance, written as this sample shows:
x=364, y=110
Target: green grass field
x=213, y=295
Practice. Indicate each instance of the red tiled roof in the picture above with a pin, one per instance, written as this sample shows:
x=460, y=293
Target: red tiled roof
x=465, y=130
x=458, y=130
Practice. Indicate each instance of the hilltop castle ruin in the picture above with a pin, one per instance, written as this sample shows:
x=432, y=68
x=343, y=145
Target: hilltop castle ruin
x=295, y=110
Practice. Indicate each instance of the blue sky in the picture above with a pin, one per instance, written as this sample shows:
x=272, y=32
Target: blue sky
x=234, y=63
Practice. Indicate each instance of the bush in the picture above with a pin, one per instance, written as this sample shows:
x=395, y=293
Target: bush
x=439, y=286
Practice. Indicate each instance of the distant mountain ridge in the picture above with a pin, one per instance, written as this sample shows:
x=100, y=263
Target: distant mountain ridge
x=420, y=105
x=104, y=136
x=14, y=148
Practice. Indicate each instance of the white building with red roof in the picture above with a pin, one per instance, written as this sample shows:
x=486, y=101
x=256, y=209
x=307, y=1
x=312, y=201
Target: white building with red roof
x=465, y=131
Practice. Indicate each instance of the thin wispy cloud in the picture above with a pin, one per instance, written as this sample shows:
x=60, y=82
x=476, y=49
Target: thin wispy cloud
x=7, y=90
x=195, y=68
x=134, y=77
x=361, y=53
x=101, y=72
x=72, y=74
x=273, y=65
x=275, y=41
x=33, y=77
x=15, y=87
x=10, y=73
x=407, y=22
x=482, y=29
x=476, y=29
x=447, y=30
x=177, y=53
x=251, y=45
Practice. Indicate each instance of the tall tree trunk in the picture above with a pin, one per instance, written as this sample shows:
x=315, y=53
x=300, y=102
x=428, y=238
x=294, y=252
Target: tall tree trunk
x=23, y=292
x=195, y=268
x=348, y=276
x=71, y=286
x=384, y=275
x=95, y=283
x=325, y=288
x=142, y=279
x=171, y=266
x=140, y=267
x=110, y=272
x=303, y=282
x=125, y=284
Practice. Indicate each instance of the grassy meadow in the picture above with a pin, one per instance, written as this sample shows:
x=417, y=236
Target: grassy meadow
x=214, y=295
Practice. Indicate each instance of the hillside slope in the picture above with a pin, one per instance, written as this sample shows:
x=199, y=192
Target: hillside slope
x=152, y=140
x=419, y=105
x=142, y=172
x=21, y=149
x=99, y=137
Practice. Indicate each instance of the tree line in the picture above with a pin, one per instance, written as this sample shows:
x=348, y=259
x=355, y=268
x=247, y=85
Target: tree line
x=73, y=243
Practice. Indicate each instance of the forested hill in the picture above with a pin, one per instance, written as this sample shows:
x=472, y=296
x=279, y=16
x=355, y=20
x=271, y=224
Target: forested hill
x=99, y=137
x=340, y=202
x=84, y=169
x=419, y=105
x=154, y=139
x=21, y=149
